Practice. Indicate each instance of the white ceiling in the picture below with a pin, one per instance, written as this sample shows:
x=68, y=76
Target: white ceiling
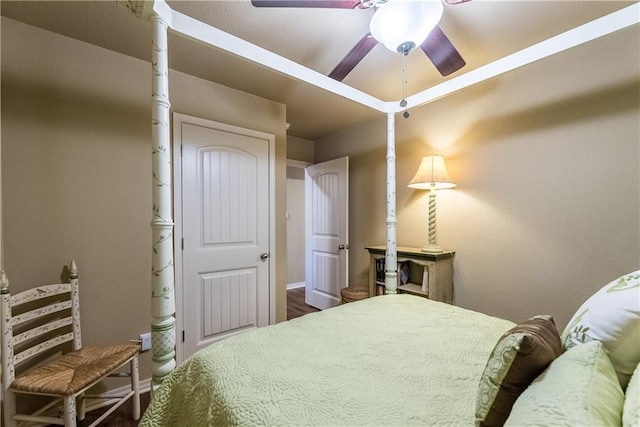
x=481, y=30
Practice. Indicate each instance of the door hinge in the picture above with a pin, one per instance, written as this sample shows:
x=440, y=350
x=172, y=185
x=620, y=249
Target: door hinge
x=183, y=336
x=180, y=150
x=182, y=243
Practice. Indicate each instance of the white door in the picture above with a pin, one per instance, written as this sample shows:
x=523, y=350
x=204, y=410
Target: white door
x=327, y=232
x=225, y=223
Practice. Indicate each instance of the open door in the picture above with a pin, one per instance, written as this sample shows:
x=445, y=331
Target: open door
x=327, y=232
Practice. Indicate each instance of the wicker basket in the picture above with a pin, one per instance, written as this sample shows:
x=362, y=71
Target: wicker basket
x=354, y=293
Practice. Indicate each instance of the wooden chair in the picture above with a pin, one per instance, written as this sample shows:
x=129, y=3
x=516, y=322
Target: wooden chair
x=39, y=322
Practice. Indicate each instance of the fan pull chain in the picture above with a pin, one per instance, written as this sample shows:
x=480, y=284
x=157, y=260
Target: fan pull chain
x=403, y=103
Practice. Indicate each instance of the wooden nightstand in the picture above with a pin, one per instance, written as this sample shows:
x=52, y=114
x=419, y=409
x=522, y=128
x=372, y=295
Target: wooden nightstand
x=429, y=275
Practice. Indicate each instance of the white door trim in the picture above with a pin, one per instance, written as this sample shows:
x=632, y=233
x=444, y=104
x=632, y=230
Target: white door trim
x=298, y=163
x=178, y=120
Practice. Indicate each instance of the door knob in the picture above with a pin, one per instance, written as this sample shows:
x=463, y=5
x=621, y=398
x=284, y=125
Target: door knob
x=343, y=247
x=264, y=256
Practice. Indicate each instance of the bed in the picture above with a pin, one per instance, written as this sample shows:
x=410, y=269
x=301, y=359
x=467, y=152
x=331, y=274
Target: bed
x=385, y=360
x=164, y=19
x=389, y=360
x=407, y=360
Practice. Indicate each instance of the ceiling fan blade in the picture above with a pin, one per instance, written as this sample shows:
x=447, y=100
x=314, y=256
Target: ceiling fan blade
x=354, y=56
x=332, y=4
x=442, y=53
x=455, y=1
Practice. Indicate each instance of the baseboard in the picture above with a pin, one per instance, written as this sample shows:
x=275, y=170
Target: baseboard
x=108, y=398
x=295, y=285
x=145, y=386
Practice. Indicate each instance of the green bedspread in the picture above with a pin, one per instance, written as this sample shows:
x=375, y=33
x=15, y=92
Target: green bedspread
x=389, y=360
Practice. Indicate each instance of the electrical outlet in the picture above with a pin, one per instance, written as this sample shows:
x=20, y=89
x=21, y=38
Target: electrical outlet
x=145, y=341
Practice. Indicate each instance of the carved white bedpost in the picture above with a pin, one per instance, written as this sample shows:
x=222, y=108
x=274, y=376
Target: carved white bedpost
x=163, y=325
x=391, y=256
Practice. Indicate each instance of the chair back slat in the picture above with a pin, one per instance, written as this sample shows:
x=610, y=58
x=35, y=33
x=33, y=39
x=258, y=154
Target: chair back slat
x=39, y=293
x=38, y=327
x=37, y=320
x=43, y=346
x=41, y=330
x=43, y=311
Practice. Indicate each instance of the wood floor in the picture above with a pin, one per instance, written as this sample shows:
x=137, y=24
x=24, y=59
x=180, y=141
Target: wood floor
x=295, y=304
x=296, y=307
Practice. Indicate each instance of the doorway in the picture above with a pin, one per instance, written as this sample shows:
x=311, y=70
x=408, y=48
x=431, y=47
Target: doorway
x=327, y=232
x=317, y=234
x=295, y=217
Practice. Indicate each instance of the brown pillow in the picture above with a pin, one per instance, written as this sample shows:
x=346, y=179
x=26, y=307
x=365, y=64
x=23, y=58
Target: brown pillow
x=520, y=355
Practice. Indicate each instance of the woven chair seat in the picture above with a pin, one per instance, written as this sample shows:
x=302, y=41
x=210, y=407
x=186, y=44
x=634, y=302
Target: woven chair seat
x=74, y=371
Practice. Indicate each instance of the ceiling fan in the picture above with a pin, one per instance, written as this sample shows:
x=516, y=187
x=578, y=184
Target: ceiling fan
x=417, y=20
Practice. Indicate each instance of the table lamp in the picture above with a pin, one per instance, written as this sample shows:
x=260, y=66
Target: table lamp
x=432, y=175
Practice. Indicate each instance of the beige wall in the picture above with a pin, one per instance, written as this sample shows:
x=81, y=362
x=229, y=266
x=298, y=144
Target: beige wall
x=546, y=159
x=300, y=149
x=1, y=245
x=76, y=171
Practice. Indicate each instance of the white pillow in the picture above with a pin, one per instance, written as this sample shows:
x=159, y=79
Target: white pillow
x=611, y=316
x=579, y=388
x=631, y=410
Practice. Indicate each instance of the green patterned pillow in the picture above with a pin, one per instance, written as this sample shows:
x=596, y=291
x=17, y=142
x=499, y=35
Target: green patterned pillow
x=579, y=388
x=520, y=355
x=631, y=411
x=611, y=316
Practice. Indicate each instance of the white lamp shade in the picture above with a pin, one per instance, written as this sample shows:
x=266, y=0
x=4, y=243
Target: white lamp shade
x=398, y=22
x=432, y=173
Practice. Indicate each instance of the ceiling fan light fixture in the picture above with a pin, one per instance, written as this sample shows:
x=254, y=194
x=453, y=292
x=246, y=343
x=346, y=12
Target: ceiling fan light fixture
x=401, y=25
